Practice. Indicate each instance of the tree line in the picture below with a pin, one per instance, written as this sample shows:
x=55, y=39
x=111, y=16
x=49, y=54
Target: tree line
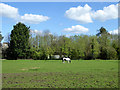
x=25, y=45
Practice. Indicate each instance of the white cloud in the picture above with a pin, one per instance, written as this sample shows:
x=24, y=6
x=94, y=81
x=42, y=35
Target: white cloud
x=110, y=12
x=8, y=11
x=81, y=14
x=39, y=32
x=76, y=29
x=67, y=35
x=114, y=31
x=33, y=19
x=85, y=14
x=12, y=12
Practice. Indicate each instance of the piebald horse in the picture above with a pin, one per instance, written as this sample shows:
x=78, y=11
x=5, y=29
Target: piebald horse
x=66, y=59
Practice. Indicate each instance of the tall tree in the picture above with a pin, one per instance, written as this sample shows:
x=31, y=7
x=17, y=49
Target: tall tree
x=94, y=47
x=19, y=42
x=115, y=43
x=103, y=40
x=64, y=44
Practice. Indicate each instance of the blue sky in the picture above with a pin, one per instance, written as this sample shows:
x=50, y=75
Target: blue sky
x=61, y=18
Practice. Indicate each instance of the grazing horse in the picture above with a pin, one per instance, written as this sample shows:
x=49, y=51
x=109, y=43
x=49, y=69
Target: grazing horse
x=66, y=59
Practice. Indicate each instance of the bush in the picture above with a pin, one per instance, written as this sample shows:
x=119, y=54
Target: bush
x=39, y=55
x=111, y=53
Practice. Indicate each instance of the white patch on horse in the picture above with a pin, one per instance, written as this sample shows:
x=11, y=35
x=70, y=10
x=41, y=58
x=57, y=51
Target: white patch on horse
x=66, y=59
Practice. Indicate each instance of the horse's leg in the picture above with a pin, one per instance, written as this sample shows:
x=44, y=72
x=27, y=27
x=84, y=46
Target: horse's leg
x=63, y=61
x=68, y=61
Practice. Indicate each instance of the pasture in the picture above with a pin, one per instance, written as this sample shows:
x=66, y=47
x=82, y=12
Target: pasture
x=55, y=74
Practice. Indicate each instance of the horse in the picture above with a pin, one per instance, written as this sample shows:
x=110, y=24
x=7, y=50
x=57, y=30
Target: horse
x=66, y=59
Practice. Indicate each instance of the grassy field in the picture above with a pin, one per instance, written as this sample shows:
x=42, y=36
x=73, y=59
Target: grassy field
x=55, y=74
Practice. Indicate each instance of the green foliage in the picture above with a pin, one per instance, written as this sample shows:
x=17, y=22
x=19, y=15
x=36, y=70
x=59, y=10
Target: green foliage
x=74, y=54
x=43, y=46
x=19, y=39
x=64, y=45
x=78, y=46
x=39, y=54
x=106, y=50
x=95, y=47
x=111, y=53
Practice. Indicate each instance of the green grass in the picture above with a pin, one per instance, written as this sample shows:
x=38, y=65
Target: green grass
x=55, y=74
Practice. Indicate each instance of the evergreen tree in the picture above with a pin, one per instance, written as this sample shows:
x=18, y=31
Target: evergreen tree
x=19, y=43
